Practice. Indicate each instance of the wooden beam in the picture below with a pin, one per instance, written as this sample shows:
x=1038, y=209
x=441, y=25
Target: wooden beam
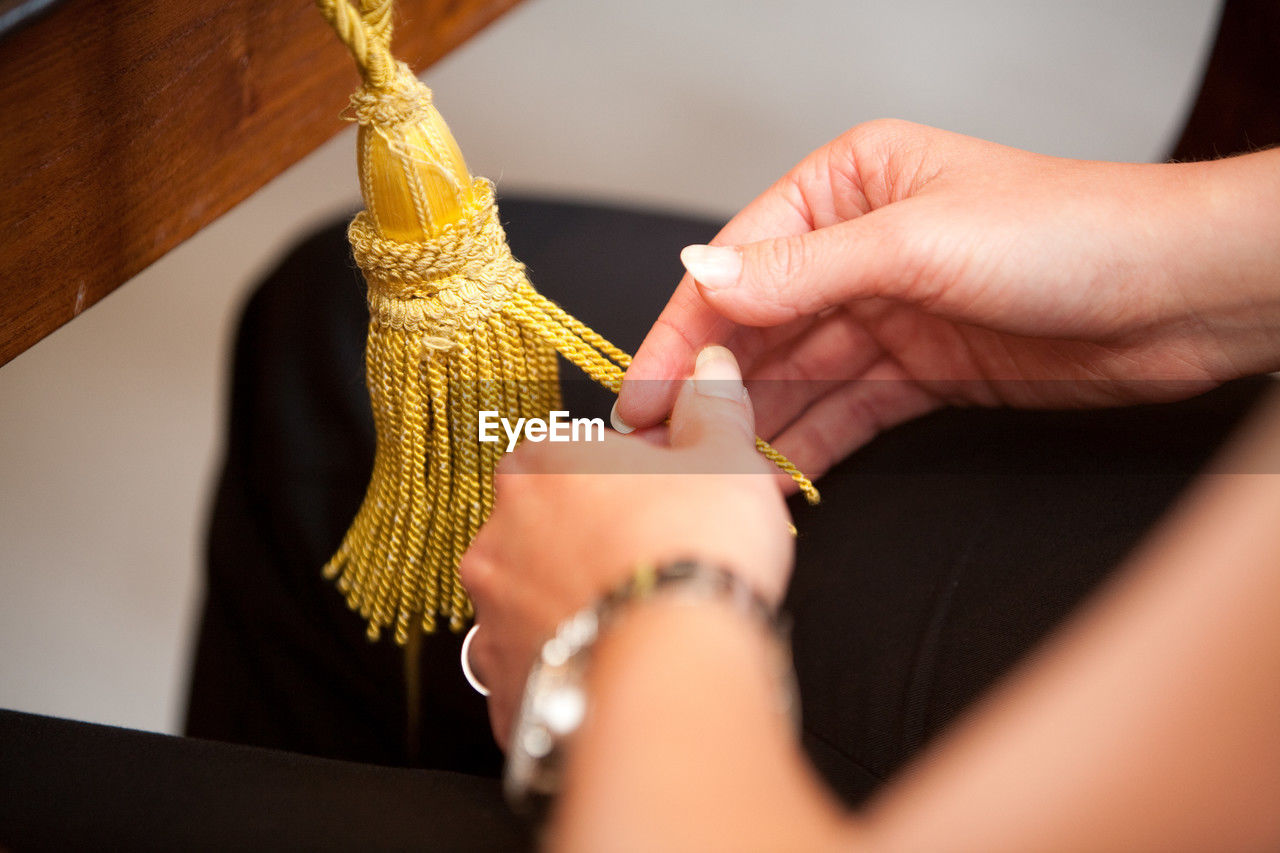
x=131, y=125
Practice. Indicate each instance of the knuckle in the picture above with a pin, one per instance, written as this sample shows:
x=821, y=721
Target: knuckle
x=475, y=570
x=509, y=480
x=779, y=260
x=778, y=268
x=511, y=463
x=533, y=457
x=879, y=132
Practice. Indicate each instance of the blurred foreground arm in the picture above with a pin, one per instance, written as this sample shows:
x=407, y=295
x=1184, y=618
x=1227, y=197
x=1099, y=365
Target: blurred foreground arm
x=1151, y=723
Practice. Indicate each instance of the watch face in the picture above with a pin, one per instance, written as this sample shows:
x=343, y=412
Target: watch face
x=561, y=708
x=553, y=708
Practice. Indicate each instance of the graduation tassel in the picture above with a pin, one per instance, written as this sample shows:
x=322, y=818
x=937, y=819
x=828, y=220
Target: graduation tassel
x=455, y=328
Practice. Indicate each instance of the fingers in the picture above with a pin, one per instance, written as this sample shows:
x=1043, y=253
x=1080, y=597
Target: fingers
x=687, y=323
x=828, y=231
x=837, y=348
x=851, y=415
x=666, y=356
x=651, y=386
x=741, y=292
x=712, y=411
x=777, y=280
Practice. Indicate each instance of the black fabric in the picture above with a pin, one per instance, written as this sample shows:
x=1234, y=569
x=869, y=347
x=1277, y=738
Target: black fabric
x=1238, y=106
x=941, y=553
x=948, y=547
x=75, y=786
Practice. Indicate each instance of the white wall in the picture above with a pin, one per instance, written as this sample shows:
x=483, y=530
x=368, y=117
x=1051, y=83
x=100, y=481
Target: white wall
x=109, y=429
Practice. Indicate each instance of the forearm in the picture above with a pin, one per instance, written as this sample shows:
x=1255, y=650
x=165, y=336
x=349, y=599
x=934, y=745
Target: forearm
x=686, y=746
x=1153, y=723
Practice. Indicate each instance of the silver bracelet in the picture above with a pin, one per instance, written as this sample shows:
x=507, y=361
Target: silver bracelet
x=555, y=699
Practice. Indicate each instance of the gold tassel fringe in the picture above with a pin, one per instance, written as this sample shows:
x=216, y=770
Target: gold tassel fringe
x=455, y=328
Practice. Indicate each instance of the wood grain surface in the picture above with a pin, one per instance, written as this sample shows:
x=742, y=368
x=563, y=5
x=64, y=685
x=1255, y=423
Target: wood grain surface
x=128, y=126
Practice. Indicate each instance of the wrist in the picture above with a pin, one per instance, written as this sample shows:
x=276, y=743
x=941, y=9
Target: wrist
x=556, y=696
x=687, y=745
x=1228, y=262
x=640, y=645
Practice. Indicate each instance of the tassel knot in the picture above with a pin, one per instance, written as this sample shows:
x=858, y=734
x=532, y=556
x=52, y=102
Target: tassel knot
x=456, y=280
x=405, y=100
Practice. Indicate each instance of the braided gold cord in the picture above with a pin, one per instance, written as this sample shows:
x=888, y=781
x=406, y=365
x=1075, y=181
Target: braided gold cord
x=558, y=315
x=583, y=347
x=441, y=472
x=366, y=31
x=455, y=328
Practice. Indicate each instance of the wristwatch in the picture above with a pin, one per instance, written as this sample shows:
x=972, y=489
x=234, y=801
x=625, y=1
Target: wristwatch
x=555, y=698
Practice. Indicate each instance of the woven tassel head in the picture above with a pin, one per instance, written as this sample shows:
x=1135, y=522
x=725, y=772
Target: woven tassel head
x=440, y=349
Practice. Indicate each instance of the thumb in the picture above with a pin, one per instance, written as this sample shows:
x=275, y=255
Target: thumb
x=769, y=282
x=712, y=410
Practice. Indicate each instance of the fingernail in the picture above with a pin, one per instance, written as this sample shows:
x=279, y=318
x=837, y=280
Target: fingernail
x=713, y=266
x=617, y=422
x=716, y=374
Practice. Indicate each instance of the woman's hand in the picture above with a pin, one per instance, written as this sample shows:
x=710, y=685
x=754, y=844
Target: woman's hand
x=572, y=520
x=900, y=268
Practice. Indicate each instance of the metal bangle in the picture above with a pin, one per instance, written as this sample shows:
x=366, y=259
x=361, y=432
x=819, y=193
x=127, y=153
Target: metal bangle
x=466, y=663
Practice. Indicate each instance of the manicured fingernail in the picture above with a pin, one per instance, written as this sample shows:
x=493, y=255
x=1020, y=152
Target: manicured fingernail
x=713, y=266
x=617, y=422
x=716, y=374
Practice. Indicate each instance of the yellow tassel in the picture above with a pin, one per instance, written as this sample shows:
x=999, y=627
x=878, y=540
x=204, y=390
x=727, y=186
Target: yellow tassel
x=455, y=328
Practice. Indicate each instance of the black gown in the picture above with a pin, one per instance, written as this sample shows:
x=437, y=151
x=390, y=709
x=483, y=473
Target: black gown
x=942, y=552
